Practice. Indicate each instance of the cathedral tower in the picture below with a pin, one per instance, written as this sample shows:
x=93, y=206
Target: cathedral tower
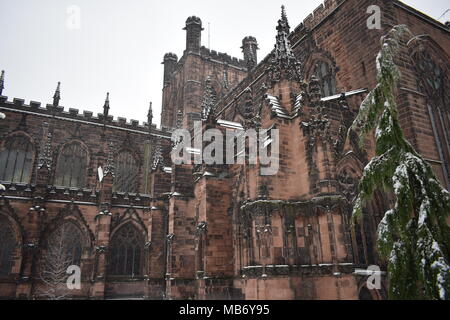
x=193, y=34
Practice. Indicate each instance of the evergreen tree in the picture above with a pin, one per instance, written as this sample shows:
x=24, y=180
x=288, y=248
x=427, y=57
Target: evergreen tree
x=414, y=235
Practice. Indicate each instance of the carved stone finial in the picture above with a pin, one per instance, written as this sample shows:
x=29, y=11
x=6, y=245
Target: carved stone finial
x=158, y=159
x=45, y=158
x=284, y=18
x=249, y=48
x=57, y=95
x=150, y=115
x=283, y=48
x=315, y=93
x=209, y=100
x=106, y=106
x=180, y=119
x=284, y=64
x=2, y=82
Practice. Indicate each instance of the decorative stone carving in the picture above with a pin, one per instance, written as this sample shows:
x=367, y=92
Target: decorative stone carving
x=158, y=159
x=45, y=157
x=109, y=168
x=283, y=63
x=202, y=227
x=348, y=185
x=209, y=101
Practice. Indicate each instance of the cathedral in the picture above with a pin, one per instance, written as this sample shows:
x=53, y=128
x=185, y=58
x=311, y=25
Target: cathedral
x=140, y=227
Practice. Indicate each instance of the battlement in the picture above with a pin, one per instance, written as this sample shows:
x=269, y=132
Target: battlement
x=321, y=12
x=73, y=114
x=316, y=17
x=170, y=56
x=222, y=57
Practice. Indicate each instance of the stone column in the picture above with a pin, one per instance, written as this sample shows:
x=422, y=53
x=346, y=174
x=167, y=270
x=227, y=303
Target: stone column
x=102, y=233
x=31, y=241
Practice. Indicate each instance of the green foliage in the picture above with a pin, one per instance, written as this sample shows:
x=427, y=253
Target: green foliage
x=414, y=235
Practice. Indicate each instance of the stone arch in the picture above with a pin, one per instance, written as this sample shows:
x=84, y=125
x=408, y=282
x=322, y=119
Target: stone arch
x=364, y=293
x=11, y=243
x=128, y=216
x=70, y=214
x=364, y=233
x=68, y=232
x=323, y=66
x=70, y=226
x=17, y=157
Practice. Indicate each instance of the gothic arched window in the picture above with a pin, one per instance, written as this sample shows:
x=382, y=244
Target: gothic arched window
x=324, y=74
x=433, y=81
x=71, y=167
x=7, y=246
x=126, y=252
x=64, y=247
x=16, y=160
x=126, y=173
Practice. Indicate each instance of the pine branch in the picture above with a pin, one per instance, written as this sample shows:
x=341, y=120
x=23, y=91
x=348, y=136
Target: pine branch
x=414, y=235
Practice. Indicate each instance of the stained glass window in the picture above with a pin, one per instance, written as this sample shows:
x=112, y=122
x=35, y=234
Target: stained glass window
x=16, y=160
x=126, y=173
x=71, y=167
x=126, y=252
x=433, y=82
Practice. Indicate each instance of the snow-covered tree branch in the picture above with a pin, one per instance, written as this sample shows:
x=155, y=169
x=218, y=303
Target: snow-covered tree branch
x=414, y=235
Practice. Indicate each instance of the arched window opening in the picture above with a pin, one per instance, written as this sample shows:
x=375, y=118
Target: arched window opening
x=71, y=168
x=16, y=160
x=64, y=247
x=126, y=252
x=432, y=80
x=126, y=173
x=7, y=246
x=326, y=79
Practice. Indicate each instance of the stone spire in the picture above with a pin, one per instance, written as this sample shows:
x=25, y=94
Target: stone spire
x=106, y=106
x=209, y=100
x=57, y=95
x=2, y=82
x=284, y=63
x=283, y=49
x=150, y=116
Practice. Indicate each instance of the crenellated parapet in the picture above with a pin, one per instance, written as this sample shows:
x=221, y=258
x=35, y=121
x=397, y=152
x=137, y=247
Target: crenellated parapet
x=223, y=58
x=74, y=115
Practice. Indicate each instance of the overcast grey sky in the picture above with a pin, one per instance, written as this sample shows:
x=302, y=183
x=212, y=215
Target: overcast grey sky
x=121, y=43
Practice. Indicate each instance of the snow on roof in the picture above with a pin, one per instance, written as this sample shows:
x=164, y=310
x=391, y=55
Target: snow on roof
x=276, y=107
